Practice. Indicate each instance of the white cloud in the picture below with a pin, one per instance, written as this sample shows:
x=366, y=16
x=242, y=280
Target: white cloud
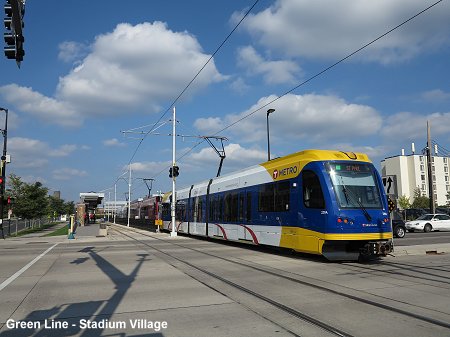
x=412, y=126
x=317, y=118
x=68, y=173
x=113, y=142
x=63, y=150
x=436, y=95
x=133, y=66
x=236, y=156
x=131, y=69
x=150, y=168
x=38, y=105
x=70, y=51
x=33, y=153
x=273, y=72
x=332, y=29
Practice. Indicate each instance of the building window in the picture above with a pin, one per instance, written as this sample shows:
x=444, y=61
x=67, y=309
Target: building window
x=421, y=158
x=423, y=187
x=446, y=178
x=423, y=177
x=445, y=160
x=433, y=168
x=445, y=169
x=422, y=168
x=434, y=178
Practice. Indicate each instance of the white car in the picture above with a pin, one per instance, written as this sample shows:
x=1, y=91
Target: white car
x=429, y=222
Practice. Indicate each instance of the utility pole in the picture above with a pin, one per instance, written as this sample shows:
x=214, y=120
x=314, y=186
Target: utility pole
x=174, y=198
x=430, y=170
x=3, y=163
x=129, y=198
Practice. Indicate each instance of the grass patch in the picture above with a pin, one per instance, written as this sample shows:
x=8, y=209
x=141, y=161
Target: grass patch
x=34, y=230
x=61, y=231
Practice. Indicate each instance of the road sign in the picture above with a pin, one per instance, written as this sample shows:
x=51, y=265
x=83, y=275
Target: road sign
x=390, y=184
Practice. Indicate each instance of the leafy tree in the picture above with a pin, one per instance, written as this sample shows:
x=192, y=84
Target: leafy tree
x=30, y=199
x=69, y=207
x=55, y=206
x=403, y=202
x=420, y=201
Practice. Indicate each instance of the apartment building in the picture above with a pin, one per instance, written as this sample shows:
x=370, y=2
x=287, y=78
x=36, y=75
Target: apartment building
x=411, y=172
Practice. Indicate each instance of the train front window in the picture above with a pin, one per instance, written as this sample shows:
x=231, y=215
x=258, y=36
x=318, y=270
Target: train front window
x=355, y=185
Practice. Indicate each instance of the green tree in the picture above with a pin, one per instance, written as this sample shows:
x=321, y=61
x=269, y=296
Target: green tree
x=403, y=202
x=55, y=207
x=420, y=201
x=69, y=207
x=30, y=200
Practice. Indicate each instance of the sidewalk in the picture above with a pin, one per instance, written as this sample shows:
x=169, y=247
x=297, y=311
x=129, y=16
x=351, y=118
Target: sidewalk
x=44, y=231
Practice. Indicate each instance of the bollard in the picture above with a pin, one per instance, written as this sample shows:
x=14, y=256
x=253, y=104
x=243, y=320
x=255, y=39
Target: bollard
x=71, y=236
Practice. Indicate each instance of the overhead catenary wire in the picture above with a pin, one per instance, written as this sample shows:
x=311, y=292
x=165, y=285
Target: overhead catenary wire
x=285, y=93
x=313, y=77
x=193, y=79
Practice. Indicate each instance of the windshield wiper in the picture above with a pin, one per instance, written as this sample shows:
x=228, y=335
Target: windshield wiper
x=361, y=206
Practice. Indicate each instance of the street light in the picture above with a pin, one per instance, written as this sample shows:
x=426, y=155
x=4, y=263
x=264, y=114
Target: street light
x=268, y=141
x=3, y=162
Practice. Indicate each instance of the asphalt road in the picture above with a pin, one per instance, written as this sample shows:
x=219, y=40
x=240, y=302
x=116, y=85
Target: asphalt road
x=420, y=238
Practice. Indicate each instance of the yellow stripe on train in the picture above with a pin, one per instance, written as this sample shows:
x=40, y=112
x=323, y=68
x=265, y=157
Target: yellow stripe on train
x=308, y=241
x=291, y=165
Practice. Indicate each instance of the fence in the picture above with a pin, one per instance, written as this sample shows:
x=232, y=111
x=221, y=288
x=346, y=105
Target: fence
x=14, y=226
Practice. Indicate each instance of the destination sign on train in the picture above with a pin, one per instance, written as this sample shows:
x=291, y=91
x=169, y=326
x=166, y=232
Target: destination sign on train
x=350, y=167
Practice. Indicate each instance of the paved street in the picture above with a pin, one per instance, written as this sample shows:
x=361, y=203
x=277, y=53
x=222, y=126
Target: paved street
x=140, y=284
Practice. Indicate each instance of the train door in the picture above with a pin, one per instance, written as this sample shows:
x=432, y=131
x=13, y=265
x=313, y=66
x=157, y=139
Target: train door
x=314, y=211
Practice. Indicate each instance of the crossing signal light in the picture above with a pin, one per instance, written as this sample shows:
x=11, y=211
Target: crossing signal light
x=1, y=185
x=174, y=171
x=14, y=12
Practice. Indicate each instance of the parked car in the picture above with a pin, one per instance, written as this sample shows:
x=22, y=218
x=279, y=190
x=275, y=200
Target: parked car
x=429, y=222
x=398, y=225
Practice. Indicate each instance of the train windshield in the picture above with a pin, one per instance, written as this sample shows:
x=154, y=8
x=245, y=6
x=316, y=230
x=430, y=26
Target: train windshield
x=355, y=185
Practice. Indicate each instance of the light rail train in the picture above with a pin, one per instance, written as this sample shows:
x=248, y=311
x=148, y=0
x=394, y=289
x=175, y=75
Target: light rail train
x=330, y=203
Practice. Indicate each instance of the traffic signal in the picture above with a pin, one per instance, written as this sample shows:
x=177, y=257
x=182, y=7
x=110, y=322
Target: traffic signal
x=2, y=188
x=14, y=11
x=8, y=201
x=176, y=171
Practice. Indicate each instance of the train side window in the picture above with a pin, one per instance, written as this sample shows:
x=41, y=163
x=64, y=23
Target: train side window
x=266, y=198
x=241, y=207
x=249, y=206
x=312, y=191
x=282, y=196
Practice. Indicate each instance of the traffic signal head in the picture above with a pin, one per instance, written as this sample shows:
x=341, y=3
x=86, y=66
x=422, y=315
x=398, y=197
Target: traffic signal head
x=170, y=173
x=14, y=12
x=176, y=171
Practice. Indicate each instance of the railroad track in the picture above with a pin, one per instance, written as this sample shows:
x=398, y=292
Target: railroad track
x=286, y=276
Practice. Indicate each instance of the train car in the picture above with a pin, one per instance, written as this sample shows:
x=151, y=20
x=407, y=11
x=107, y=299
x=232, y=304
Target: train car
x=330, y=203
x=147, y=208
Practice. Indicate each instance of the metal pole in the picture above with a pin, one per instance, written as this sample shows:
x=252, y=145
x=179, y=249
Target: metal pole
x=430, y=170
x=109, y=203
x=115, y=201
x=172, y=206
x=129, y=197
x=268, y=139
x=2, y=192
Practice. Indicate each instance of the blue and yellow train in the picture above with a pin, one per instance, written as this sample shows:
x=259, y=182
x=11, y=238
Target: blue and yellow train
x=330, y=203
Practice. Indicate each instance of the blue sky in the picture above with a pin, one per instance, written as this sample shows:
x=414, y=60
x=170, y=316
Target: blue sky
x=95, y=68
